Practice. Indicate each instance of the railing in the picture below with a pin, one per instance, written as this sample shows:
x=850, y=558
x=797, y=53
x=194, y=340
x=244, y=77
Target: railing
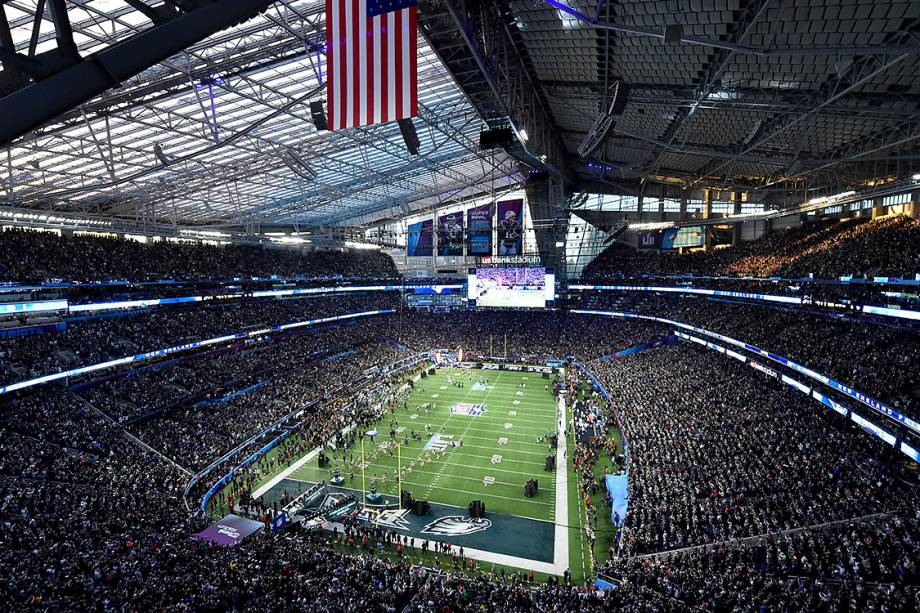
x=752, y=539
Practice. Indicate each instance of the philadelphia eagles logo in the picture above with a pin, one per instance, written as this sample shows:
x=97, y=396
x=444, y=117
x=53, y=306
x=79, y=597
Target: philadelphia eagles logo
x=456, y=525
x=331, y=499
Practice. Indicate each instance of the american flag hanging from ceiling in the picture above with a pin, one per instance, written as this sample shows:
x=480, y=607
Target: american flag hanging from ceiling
x=371, y=61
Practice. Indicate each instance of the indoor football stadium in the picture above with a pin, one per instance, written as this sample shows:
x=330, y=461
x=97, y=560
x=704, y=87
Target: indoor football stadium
x=436, y=306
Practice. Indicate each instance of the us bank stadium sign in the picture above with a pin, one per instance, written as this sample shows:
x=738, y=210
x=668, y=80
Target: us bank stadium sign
x=509, y=260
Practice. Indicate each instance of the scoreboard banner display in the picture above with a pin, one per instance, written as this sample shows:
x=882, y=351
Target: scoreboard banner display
x=689, y=236
x=479, y=224
x=512, y=287
x=420, y=239
x=672, y=238
x=450, y=234
x=510, y=227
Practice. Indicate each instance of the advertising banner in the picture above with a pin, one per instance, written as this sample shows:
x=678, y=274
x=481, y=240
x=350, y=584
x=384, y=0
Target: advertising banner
x=479, y=222
x=420, y=240
x=450, y=234
x=510, y=227
x=650, y=240
x=229, y=531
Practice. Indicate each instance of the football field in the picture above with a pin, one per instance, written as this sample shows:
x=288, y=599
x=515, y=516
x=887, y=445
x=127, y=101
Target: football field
x=480, y=441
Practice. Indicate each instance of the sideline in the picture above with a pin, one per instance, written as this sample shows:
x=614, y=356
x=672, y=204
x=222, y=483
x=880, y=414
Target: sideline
x=284, y=474
x=478, y=554
x=561, y=545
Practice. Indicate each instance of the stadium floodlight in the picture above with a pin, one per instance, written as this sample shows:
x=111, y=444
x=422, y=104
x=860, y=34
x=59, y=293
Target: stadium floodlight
x=357, y=245
x=650, y=225
x=831, y=199
x=289, y=240
x=206, y=233
x=614, y=104
x=916, y=177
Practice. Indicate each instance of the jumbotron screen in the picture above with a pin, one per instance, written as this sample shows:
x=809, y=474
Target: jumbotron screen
x=529, y=287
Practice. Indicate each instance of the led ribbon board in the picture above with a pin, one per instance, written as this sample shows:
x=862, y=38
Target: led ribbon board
x=179, y=348
x=274, y=293
x=871, y=310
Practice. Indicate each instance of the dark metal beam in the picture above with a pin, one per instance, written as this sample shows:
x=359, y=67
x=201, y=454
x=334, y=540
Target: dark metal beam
x=6, y=44
x=490, y=70
x=148, y=11
x=14, y=64
x=63, y=32
x=36, y=26
x=42, y=101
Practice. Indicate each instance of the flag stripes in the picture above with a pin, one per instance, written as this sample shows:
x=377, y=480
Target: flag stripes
x=371, y=62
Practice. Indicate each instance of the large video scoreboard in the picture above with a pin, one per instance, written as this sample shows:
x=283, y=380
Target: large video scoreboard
x=527, y=287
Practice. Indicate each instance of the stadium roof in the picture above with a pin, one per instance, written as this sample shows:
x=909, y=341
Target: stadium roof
x=756, y=90
x=158, y=147
x=753, y=94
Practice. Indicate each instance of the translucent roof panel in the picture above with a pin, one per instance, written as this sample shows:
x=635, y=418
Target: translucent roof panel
x=208, y=136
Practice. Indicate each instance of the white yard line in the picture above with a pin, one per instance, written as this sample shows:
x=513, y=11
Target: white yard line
x=285, y=473
x=489, y=468
x=434, y=482
x=512, y=450
x=529, y=440
x=561, y=548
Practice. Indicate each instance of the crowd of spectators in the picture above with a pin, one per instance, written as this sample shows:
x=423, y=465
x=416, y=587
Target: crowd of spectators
x=875, y=359
x=99, y=339
x=207, y=377
x=193, y=437
x=32, y=256
x=826, y=249
x=731, y=476
x=736, y=479
x=869, y=565
x=520, y=334
x=332, y=420
x=724, y=454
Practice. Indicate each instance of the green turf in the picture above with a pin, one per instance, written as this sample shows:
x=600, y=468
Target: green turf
x=579, y=556
x=605, y=532
x=459, y=476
